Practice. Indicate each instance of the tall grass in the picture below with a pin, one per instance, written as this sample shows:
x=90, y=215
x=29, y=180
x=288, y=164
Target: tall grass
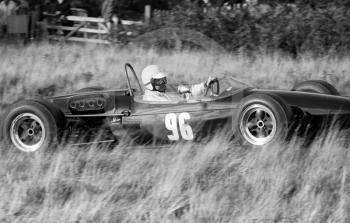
x=212, y=182
x=25, y=70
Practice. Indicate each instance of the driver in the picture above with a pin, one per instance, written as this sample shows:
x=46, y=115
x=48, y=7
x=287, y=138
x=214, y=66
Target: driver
x=155, y=81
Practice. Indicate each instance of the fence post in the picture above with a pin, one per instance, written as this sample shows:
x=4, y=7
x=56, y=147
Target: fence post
x=148, y=12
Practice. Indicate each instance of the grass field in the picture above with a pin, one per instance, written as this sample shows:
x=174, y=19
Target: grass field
x=212, y=182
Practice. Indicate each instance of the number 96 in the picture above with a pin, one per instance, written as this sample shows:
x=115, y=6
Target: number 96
x=171, y=123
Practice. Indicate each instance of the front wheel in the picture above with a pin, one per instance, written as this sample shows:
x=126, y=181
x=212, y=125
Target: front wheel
x=30, y=126
x=261, y=120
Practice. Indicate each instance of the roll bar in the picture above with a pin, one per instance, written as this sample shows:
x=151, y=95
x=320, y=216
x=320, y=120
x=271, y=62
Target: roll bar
x=128, y=65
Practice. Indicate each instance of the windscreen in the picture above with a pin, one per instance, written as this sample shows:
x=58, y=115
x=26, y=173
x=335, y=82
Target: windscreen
x=230, y=83
x=226, y=83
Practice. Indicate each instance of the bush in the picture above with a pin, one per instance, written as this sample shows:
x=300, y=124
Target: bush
x=291, y=29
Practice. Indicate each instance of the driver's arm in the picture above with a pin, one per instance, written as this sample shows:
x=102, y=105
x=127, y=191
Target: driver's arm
x=196, y=90
x=193, y=91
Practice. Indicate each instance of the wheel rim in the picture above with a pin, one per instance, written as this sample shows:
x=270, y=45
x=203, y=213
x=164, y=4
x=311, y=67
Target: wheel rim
x=27, y=132
x=258, y=124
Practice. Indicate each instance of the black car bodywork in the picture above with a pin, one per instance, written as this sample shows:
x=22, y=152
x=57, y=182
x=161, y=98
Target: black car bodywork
x=255, y=116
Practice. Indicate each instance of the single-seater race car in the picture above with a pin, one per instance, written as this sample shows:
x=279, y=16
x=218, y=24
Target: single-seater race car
x=257, y=117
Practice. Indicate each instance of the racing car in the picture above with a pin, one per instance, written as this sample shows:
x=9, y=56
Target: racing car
x=257, y=117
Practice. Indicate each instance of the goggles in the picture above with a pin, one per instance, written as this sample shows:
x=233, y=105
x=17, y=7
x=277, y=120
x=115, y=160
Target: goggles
x=160, y=81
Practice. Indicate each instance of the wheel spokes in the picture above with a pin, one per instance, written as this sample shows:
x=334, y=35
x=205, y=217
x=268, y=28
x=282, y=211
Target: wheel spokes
x=259, y=124
x=265, y=132
x=24, y=135
x=260, y=133
x=252, y=125
x=27, y=132
x=25, y=125
x=260, y=114
x=34, y=124
x=28, y=140
x=269, y=124
x=37, y=137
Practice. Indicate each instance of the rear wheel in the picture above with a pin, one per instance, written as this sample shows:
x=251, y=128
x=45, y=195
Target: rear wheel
x=311, y=128
x=316, y=86
x=30, y=126
x=261, y=120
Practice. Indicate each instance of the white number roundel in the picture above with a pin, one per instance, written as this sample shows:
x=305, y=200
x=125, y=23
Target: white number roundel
x=171, y=121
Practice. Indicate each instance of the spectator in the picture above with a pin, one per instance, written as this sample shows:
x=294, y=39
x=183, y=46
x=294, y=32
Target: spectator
x=56, y=11
x=35, y=4
x=7, y=8
x=107, y=12
x=64, y=10
x=50, y=12
x=22, y=7
x=57, y=8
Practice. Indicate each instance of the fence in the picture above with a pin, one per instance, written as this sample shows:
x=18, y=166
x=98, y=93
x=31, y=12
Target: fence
x=88, y=29
x=81, y=25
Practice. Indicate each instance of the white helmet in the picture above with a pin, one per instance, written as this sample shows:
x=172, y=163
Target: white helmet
x=151, y=72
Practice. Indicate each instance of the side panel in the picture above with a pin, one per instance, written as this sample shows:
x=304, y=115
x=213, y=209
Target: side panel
x=97, y=103
x=180, y=122
x=177, y=121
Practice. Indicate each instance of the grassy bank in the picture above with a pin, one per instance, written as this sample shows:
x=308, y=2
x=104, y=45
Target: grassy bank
x=213, y=182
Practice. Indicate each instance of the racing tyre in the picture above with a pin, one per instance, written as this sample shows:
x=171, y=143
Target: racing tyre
x=316, y=86
x=30, y=125
x=261, y=120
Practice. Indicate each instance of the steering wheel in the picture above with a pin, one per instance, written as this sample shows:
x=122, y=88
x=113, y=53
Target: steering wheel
x=213, y=87
x=128, y=66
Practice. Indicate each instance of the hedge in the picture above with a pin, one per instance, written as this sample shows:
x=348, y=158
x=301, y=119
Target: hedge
x=292, y=29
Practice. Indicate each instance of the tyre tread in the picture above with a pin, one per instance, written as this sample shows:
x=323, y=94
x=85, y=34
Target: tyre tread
x=35, y=107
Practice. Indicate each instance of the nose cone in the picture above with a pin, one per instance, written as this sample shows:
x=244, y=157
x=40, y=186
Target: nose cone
x=314, y=103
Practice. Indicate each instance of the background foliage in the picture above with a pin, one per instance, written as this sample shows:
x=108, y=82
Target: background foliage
x=318, y=27
x=291, y=26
